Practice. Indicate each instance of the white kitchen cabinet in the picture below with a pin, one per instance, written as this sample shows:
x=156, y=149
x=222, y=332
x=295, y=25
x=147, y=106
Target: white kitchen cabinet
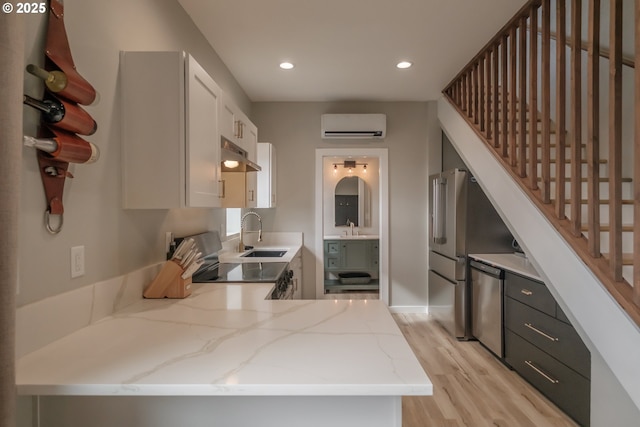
x=240, y=189
x=267, y=176
x=296, y=267
x=171, y=141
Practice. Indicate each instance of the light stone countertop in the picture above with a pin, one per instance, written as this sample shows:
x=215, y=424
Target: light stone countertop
x=509, y=261
x=227, y=340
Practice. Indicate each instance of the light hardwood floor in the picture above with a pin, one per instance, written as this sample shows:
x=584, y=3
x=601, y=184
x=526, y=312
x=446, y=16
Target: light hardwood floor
x=471, y=387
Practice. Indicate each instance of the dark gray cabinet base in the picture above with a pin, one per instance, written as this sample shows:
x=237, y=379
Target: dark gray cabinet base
x=544, y=348
x=563, y=386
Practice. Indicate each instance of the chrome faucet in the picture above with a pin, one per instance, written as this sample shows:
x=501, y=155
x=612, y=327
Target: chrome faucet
x=351, y=224
x=241, y=243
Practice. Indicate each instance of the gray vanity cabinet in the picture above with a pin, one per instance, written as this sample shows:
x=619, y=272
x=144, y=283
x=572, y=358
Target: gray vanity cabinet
x=351, y=256
x=544, y=348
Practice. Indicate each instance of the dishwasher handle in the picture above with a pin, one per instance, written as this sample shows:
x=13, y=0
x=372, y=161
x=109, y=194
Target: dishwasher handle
x=487, y=269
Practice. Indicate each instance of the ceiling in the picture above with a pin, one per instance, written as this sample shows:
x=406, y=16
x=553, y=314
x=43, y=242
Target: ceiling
x=346, y=50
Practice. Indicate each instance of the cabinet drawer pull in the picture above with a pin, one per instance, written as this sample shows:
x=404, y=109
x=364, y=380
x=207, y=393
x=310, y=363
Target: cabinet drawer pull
x=534, y=329
x=526, y=292
x=539, y=371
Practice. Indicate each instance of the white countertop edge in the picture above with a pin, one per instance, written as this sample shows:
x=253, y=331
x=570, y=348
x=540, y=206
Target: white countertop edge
x=509, y=261
x=227, y=390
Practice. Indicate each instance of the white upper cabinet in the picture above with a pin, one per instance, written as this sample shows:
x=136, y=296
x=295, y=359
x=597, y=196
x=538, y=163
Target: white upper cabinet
x=267, y=176
x=240, y=189
x=171, y=141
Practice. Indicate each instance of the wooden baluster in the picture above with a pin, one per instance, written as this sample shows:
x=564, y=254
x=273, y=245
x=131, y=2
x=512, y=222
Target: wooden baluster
x=512, y=97
x=593, y=129
x=561, y=100
x=487, y=106
x=615, y=141
x=469, y=93
x=495, y=87
x=475, y=93
x=463, y=90
x=522, y=102
x=504, y=102
x=533, y=100
x=576, y=119
x=546, y=102
x=636, y=168
x=481, y=94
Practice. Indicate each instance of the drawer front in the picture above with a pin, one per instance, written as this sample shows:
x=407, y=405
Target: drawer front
x=453, y=269
x=556, y=338
x=331, y=263
x=331, y=247
x=530, y=292
x=563, y=386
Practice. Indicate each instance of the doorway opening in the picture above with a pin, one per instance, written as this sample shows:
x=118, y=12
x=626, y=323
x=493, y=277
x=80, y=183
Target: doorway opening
x=332, y=164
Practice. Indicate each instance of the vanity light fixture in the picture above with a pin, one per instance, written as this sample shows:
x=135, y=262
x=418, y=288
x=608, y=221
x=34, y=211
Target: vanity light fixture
x=286, y=65
x=404, y=64
x=349, y=164
x=231, y=164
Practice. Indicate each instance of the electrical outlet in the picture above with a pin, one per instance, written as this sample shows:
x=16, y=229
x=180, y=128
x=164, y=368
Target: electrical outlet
x=77, y=261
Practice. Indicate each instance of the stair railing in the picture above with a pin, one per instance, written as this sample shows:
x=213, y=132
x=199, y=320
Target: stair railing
x=505, y=94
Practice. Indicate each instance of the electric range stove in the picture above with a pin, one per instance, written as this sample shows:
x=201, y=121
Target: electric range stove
x=216, y=272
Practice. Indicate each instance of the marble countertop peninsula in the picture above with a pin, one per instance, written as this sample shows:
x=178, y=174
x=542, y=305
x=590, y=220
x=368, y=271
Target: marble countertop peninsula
x=227, y=340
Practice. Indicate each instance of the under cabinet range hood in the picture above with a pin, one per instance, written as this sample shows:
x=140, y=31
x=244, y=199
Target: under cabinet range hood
x=235, y=159
x=353, y=126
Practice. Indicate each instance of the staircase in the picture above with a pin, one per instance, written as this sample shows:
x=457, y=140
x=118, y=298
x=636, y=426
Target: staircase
x=581, y=181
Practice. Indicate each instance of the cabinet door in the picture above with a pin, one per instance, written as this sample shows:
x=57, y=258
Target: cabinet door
x=250, y=137
x=355, y=255
x=203, y=144
x=227, y=119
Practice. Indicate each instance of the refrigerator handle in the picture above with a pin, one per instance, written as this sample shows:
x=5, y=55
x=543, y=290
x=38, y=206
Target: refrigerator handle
x=439, y=211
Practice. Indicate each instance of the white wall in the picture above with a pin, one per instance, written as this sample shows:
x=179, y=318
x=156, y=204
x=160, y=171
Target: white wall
x=116, y=241
x=294, y=128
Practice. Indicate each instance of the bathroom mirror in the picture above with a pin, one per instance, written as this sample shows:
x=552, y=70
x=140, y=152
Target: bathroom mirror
x=351, y=202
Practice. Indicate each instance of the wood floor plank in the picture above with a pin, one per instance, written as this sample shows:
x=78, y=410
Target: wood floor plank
x=472, y=388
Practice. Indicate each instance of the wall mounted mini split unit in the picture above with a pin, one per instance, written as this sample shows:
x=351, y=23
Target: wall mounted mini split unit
x=353, y=126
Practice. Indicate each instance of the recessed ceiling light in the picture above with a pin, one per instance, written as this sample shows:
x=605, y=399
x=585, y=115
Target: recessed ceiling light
x=286, y=65
x=404, y=64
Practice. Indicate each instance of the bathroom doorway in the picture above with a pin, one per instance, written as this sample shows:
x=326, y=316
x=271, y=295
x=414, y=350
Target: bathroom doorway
x=371, y=166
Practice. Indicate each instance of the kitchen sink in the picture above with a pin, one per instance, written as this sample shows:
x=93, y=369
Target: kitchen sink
x=264, y=254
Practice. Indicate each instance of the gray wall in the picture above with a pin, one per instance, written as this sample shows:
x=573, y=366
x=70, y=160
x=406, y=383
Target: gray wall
x=116, y=241
x=294, y=129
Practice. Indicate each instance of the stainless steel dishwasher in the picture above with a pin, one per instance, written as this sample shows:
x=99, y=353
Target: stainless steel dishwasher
x=487, y=283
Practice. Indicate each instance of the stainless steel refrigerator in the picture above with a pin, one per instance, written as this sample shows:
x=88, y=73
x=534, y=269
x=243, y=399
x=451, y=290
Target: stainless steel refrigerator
x=462, y=221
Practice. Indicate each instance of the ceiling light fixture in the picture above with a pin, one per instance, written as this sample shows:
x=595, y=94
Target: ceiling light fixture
x=404, y=64
x=286, y=65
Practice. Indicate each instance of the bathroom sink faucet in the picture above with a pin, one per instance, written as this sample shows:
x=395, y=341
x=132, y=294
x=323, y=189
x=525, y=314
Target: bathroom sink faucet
x=351, y=224
x=241, y=243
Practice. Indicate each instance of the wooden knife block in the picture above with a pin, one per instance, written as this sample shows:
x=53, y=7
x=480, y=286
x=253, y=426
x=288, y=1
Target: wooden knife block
x=169, y=283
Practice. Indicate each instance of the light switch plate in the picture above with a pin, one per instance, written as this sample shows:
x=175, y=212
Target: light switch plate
x=77, y=261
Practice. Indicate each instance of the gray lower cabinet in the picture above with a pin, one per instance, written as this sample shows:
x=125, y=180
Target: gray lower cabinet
x=543, y=347
x=351, y=256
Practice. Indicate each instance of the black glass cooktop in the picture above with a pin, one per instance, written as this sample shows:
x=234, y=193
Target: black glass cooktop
x=244, y=272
